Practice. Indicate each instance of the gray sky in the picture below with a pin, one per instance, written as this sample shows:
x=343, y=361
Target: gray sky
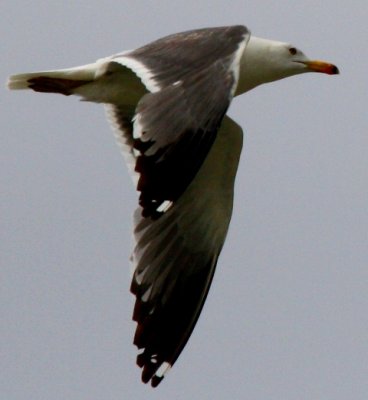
x=286, y=317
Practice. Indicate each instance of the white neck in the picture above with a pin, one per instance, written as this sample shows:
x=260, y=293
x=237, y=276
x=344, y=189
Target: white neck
x=260, y=63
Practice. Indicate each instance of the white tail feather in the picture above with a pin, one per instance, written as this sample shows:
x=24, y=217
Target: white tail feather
x=104, y=81
x=82, y=73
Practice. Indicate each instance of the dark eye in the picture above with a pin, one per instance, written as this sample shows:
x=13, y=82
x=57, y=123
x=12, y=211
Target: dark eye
x=293, y=51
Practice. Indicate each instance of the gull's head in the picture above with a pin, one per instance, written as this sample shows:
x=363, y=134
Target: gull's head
x=267, y=60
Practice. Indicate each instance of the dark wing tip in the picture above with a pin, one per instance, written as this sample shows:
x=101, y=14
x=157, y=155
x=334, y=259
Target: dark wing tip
x=155, y=381
x=152, y=369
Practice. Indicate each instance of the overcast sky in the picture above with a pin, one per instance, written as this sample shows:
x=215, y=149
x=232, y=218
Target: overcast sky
x=286, y=317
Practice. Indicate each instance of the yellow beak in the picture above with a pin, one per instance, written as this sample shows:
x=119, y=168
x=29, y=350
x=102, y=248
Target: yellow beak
x=321, y=66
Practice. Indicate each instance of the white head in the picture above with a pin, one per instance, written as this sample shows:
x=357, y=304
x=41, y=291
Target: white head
x=267, y=60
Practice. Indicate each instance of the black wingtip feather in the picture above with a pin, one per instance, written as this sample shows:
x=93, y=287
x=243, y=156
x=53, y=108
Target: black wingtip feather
x=155, y=381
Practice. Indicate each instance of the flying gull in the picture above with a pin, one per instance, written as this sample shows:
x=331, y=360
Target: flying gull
x=167, y=103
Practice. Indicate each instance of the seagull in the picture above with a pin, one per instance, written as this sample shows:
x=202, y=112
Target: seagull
x=167, y=103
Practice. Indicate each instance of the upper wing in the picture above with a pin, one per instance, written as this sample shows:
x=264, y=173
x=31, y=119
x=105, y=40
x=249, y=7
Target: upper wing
x=192, y=77
x=176, y=254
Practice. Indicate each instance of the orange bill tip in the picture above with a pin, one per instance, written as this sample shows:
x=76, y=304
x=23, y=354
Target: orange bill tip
x=322, y=66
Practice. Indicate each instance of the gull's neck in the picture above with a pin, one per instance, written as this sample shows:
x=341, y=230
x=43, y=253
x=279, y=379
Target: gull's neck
x=259, y=64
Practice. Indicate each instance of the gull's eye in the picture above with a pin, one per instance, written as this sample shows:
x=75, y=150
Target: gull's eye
x=293, y=51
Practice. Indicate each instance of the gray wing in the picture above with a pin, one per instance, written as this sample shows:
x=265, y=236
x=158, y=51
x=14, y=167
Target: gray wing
x=175, y=129
x=176, y=56
x=176, y=255
x=185, y=167
x=193, y=76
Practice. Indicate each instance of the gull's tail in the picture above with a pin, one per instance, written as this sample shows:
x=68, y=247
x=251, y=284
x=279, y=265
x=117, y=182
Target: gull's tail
x=63, y=81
